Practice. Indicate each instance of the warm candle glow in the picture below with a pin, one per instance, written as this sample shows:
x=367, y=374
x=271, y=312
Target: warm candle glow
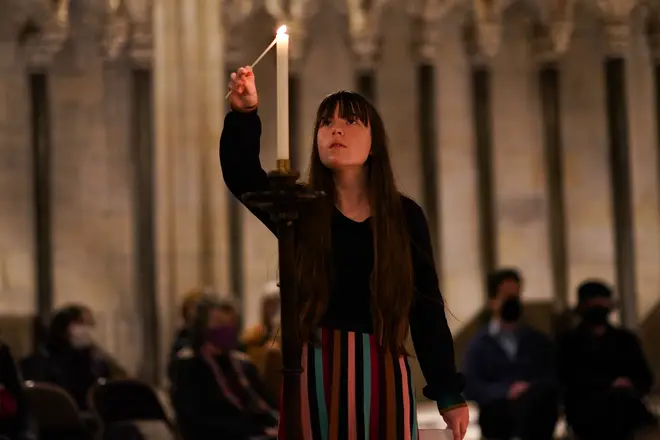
x=281, y=30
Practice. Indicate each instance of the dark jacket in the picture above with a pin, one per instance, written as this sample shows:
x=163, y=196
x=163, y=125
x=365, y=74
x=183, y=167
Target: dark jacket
x=204, y=412
x=490, y=372
x=589, y=364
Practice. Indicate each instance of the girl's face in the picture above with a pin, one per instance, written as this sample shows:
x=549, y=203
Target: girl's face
x=343, y=142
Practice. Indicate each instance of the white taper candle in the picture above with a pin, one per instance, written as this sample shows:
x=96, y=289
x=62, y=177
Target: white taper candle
x=282, y=94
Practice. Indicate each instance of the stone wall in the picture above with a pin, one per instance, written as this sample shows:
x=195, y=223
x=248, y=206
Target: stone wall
x=93, y=186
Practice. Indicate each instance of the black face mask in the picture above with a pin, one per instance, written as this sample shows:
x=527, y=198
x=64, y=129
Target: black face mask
x=511, y=309
x=596, y=315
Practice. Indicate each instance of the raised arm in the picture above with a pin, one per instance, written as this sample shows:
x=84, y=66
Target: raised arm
x=430, y=332
x=240, y=143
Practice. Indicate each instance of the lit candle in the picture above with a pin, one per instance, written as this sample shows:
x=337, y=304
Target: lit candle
x=282, y=39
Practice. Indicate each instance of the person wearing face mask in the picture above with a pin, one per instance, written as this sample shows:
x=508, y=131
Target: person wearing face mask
x=604, y=372
x=510, y=369
x=218, y=392
x=69, y=358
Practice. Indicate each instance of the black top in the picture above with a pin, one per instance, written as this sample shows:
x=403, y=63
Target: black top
x=352, y=246
x=589, y=363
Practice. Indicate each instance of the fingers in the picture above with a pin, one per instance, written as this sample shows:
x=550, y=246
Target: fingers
x=458, y=429
x=457, y=433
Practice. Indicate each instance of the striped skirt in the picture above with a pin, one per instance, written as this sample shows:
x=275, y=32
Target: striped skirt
x=352, y=389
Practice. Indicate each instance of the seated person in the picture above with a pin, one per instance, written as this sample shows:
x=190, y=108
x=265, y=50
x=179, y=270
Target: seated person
x=15, y=420
x=182, y=337
x=604, y=372
x=69, y=358
x=510, y=369
x=218, y=392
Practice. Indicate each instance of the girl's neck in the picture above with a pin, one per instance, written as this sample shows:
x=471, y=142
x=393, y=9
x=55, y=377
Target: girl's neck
x=351, y=192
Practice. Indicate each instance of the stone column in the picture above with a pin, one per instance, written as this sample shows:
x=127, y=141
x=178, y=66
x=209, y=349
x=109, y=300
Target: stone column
x=38, y=50
x=550, y=41
x=644, y=166
x=425, y=25
x=134, y=31
x=586, y=174
x=520, y=193
x=191, y=219
x=18, y=297
x=483, y=35
x=617, y=28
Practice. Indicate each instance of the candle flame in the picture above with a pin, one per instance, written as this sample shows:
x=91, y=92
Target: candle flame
x=281, y=30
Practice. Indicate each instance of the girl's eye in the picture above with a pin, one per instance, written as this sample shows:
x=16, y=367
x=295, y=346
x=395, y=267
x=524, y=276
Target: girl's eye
x=352, y=120
x=324, y=122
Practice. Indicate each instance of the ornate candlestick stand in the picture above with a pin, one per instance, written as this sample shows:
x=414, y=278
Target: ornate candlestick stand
x=283, y=201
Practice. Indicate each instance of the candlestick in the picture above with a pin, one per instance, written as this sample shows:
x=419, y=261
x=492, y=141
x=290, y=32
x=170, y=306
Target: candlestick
x=282, y=95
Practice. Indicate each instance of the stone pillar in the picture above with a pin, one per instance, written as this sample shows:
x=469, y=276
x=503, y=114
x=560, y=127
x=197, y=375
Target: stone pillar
x=520, y=194
x=17, y=232
x=617, y=29
x=586, y=174
x=425, y=28
x=550, y=41
x=135, y=36
x=191, y=219
x=457, y=173
x=483, y=36
x=39, y=48
x=644, y=170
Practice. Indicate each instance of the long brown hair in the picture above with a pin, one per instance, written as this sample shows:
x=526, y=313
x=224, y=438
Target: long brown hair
x=392, y=273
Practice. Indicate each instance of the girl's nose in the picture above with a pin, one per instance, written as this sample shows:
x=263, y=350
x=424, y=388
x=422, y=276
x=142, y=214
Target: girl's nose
x=337, y=130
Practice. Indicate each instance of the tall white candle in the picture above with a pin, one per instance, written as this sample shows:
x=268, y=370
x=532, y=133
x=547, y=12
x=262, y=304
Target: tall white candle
x=282, y=94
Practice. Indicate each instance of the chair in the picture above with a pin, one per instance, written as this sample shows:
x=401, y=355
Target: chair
x=126, y=400
x=55, y=412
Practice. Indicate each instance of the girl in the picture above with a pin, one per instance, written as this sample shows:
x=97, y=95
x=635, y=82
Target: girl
x=365, y=275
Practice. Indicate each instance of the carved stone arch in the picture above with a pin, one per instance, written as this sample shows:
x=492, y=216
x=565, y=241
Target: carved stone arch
x=364, y=19
x=116, y=29
x=553, y=31
x=140, y=47
x=297, y=15
x=483, y=28
x=616, y=18
x=49, y=30
x=426, y=18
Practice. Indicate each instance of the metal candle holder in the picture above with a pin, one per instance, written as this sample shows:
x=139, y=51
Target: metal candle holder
x=283, y=201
